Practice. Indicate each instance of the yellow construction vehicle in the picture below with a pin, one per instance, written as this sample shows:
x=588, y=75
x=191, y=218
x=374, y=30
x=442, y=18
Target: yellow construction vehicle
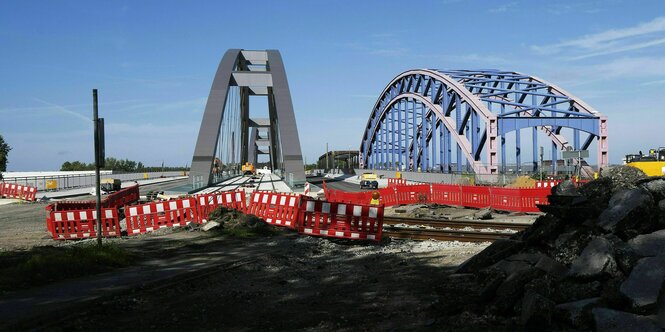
x=652, y=164
x=110, y=185
x=248, y=169
x=368, y=180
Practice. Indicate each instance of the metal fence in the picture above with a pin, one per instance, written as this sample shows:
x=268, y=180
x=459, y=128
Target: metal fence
x=70, y=181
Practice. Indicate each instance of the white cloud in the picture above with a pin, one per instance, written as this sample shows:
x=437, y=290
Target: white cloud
x=643, y=35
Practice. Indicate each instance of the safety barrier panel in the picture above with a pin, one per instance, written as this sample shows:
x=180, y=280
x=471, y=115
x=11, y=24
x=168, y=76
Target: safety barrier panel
x=208, y=202
x=547, y=184
x=531, y=196
x=446, y=194
x=340, y=220
x=13, y=190
x=413, y=194
x=122, y=197
x=507, y=199
x=153, y=216
x=476, y=196
x=81, y=224
x=388, y=196
x=396, y=182
x=279, y=209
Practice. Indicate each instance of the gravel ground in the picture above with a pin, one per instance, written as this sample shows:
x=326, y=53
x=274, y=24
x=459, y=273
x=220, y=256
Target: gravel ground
x=285, y=282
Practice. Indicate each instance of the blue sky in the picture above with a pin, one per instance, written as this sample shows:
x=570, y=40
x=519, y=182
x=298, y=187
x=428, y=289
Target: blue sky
x=153, y=63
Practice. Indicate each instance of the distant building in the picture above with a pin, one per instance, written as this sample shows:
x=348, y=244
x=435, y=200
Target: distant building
x=346, y=159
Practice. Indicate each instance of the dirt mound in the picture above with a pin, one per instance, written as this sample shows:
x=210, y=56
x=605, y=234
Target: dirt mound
x=235, y=223
x=595, y=261
x=522, y=182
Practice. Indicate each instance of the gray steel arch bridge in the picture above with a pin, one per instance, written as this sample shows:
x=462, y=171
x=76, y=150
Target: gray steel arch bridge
x=461, y=120
x=230, y=135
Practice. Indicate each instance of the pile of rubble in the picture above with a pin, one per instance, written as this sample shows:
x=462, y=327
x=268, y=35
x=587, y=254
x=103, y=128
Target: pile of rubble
x=595, y=261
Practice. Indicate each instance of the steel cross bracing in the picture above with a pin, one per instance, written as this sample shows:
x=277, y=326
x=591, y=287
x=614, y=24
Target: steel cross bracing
x=423, y=116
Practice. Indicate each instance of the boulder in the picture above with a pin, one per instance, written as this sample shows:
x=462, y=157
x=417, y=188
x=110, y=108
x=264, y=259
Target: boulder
x=626, y=208
x=608, y=320
x=625, y=177
x=644, y=284
x=512, y=289
x=569, y=290
x=542, y=229
x=652, y=244
x=497, y=251
x=568, y=246
x=595, y=261
x=656, y=187
x=537, y=312
x=573, y=312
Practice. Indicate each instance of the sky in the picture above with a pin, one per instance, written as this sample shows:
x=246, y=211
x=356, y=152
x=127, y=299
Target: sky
x=153, y=63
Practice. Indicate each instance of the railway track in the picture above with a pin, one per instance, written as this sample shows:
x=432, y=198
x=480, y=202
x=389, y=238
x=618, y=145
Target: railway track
x=450, y=230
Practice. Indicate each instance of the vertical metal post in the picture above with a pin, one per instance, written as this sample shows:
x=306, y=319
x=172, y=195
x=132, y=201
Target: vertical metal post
x=540, y=170
x=95, y=119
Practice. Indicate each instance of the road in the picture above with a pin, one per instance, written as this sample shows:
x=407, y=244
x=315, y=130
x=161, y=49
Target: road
x=335, y=184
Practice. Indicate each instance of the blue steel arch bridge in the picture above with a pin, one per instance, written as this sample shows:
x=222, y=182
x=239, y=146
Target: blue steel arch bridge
x=455, y=121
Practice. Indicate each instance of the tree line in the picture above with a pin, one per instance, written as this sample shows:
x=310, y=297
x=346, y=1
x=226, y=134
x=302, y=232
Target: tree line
x=118, y=165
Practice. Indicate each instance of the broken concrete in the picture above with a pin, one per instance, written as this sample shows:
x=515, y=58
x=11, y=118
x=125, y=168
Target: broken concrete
x=595, y=261
x=608, y=320
x=645, y=282
x=652, y=244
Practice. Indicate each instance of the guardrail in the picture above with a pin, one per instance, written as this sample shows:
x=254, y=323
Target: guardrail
x=70, y=181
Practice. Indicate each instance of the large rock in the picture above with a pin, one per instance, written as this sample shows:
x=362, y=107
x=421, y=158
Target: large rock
x=573, y=313
x=595, y=261
x=544, y=228
x=537, y=312
x=512, y=289
x=607, y=320
x=625, y=177
x=626, y=208
x=656, y=187
x=524, y=261
x=497, y=251
x=645, y=282
x=652, y=244
x=568, y=246
x=569, y=290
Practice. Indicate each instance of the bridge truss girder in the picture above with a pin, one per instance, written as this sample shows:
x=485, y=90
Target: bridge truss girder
x=471, y=112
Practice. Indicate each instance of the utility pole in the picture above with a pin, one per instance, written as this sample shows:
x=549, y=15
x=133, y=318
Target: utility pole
x=95, y=120
x=327, y=158
x=540, y=169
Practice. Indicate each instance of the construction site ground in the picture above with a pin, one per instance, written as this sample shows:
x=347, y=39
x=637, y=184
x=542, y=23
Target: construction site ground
x=204, y=280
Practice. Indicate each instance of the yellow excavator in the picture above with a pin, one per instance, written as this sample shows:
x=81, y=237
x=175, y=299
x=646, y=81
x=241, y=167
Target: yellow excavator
x=652, y=164
x=248, y=169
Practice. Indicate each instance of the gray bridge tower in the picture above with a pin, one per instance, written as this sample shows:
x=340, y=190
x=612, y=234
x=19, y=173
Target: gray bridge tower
x=228, y=137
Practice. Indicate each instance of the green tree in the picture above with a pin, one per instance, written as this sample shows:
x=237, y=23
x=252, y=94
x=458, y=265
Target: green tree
x=4, y=151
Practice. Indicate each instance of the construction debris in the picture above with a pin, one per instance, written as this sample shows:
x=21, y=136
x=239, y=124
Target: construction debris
x=595, y=261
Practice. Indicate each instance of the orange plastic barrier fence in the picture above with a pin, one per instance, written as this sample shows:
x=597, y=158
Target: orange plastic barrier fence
x=340, y=220
x=208, y=202
x=413, y=194
x=447, y=194
x=122, y=197
x=279, y=209
x=81, y=224
x=547, y=184
x=388, y=196
x=396, y=182
x=476, y=196
x=529, y=197
x=13, y=190
x=152, y=216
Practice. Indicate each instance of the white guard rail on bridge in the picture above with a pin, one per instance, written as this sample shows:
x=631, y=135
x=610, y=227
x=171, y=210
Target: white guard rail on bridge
x=69, y=180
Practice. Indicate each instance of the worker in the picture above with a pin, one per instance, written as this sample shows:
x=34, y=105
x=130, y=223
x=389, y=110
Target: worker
x=375, y=198
x=595, y=175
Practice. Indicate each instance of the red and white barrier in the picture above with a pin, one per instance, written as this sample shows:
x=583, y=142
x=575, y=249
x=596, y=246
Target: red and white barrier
x=279, y=209
x=546, y=184
x=13, y=190
x=209, y=202
x=341, y=220
x=81, y=224
x=396, y=182
x=153, y=216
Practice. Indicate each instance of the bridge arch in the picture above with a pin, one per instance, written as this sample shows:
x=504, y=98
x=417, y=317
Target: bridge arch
x=458, y=120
